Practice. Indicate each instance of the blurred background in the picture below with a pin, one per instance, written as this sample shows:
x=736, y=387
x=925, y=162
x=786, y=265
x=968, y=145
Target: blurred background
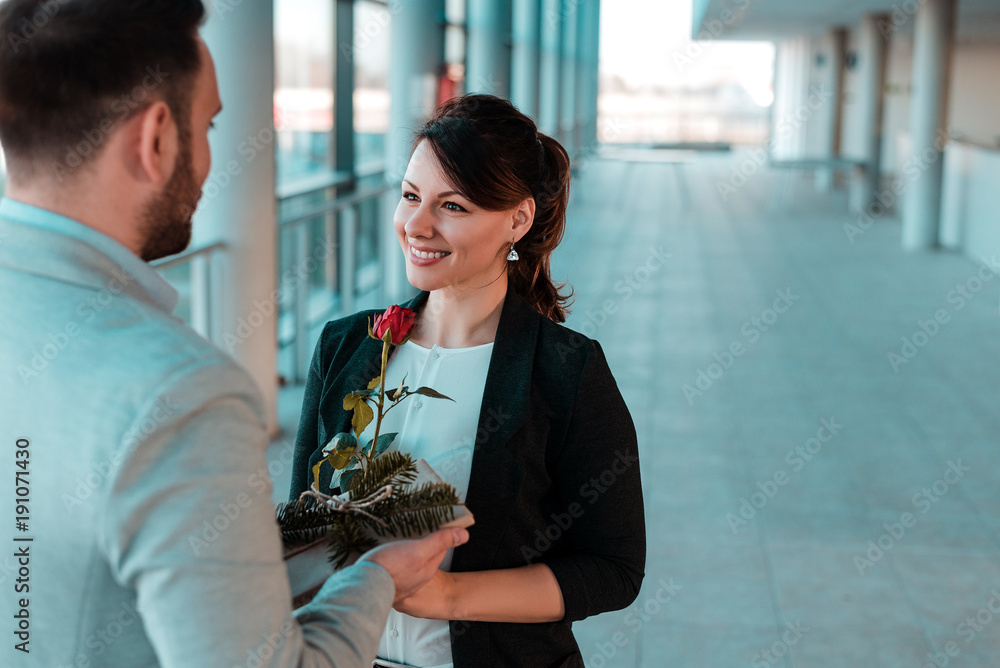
x=783, y=230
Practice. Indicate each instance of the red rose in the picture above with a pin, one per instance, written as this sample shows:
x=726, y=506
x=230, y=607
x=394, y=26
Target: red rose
x=397, y=320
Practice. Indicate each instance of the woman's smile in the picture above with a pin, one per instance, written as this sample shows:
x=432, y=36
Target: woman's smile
x=425, y=257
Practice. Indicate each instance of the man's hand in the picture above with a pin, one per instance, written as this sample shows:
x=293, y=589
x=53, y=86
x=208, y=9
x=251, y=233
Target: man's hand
x=412, y=563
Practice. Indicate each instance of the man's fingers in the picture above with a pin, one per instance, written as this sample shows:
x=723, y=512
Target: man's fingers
x=442, y=540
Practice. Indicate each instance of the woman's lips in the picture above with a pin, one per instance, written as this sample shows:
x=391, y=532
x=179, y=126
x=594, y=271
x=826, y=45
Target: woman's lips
x=424, y=257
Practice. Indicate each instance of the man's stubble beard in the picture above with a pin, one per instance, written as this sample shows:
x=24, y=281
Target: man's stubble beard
x=167, y=217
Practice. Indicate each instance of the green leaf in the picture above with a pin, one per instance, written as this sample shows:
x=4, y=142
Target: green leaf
x=345, y=479
x=339, y=459
x=363, y=415
x=428, y=392
x=352, y=400
x=374, y=384
x=316, y=472
x=384, y=441
x=341, y=441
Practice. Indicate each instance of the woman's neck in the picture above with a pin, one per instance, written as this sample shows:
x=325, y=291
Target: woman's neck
x=461, y=319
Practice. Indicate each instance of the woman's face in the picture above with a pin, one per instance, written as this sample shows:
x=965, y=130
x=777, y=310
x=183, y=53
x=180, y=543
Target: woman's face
x=446, y=240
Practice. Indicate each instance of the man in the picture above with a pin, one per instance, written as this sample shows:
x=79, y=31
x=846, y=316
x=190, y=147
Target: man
x=142, y=535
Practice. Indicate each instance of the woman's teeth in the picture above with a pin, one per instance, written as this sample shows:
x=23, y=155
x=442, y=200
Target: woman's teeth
x=428, y=256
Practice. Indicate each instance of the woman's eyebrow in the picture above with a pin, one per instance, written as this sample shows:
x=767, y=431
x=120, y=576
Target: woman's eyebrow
x=446, y=193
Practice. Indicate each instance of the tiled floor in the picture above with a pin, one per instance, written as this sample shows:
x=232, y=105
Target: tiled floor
x=767, y=479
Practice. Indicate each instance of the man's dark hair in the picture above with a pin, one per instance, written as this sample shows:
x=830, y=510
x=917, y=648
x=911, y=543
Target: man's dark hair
x=71, y=71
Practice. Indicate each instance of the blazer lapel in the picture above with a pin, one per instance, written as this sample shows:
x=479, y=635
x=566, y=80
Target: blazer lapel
x=364, y=364
x=496, y=474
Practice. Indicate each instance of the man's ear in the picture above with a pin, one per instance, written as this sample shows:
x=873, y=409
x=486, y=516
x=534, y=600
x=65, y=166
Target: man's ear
x=159, y=143
x=524, y=217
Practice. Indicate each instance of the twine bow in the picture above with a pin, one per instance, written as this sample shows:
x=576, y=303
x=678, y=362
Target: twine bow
x=348, y=505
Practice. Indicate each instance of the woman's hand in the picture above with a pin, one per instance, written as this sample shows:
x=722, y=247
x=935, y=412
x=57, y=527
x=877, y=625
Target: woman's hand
x=432, y=601
x=527, y=594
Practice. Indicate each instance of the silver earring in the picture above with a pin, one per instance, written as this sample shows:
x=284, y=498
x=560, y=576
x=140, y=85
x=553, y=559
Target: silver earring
x=512, y=255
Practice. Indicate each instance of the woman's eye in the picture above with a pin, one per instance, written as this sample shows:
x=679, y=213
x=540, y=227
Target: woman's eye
x=451, y=206
x=410, y=197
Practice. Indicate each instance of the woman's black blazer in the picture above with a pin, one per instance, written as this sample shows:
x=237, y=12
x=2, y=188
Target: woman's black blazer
x=555, y=473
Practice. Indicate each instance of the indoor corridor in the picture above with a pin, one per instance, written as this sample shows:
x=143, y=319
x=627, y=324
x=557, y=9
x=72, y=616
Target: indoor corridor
x=817, y=415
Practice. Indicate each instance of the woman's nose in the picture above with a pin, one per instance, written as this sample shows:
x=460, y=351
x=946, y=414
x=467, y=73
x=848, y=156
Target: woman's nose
x=420, y=223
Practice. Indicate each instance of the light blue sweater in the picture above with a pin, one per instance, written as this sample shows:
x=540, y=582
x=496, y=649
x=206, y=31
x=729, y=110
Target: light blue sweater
x=140, y=449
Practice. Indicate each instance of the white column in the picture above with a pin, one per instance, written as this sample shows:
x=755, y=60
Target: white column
x=525, y=56
x=791, y=88
x=238, y=206
x=593, y=76
x=832, y=81
x=415, y=65
x=871, y=49
x=567, y=124
x=488, y=50
x=551, y=68
x=932, y=39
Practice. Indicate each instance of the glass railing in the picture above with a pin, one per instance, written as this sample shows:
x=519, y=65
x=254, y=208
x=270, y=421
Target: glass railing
x=330, y=260
x=329, y=263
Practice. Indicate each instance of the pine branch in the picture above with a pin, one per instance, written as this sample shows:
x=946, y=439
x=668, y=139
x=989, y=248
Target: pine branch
x=347, y=539
x=391, y=468
x=304, y=520
x=415, y=511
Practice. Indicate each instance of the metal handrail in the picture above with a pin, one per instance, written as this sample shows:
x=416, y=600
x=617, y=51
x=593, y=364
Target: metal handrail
x=345, y=209
x=188, y=255
x=336, y=205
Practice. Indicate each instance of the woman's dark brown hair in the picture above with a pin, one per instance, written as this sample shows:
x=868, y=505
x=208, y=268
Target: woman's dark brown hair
x=495, y=157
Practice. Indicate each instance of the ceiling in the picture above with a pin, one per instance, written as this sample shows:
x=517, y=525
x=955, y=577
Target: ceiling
x=780, y=19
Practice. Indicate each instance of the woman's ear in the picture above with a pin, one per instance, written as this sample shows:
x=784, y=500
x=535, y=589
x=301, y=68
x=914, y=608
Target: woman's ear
x=524, y=217
x=159, y=144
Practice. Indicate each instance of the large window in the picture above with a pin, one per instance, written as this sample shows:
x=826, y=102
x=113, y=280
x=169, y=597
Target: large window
x=303, y=96
x=372, y=44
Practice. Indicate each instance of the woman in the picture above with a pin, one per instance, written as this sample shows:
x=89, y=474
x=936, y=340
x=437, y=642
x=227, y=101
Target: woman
x=538, y=441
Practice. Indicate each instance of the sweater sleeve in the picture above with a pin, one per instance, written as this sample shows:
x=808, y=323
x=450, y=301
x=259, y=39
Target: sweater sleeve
x=188, y=524
x=597, y=475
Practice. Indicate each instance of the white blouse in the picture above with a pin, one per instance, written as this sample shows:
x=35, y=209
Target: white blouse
x=443, y=433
